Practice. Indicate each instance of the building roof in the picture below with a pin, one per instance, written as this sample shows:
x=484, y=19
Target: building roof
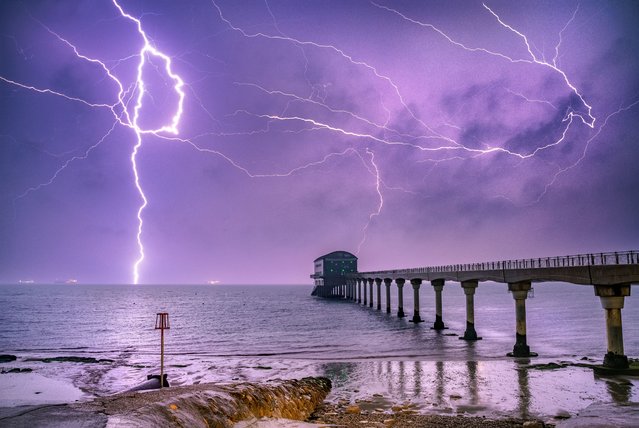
x=337, y=255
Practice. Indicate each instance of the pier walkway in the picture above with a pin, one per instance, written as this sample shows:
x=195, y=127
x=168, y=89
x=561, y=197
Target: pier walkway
x=611, y=275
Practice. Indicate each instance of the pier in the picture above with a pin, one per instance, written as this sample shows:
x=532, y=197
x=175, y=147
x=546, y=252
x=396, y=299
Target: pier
x=610, y=274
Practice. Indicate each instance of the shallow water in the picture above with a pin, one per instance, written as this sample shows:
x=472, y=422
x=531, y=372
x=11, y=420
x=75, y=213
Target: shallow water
x=226, y=333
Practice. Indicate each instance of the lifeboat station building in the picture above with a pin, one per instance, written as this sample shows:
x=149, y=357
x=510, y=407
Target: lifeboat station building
x=331, y=270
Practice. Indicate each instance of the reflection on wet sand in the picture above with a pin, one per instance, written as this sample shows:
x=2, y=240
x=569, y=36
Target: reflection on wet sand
x=524, y=389
x=620, y=389
x=483, y=388
x=439, y=391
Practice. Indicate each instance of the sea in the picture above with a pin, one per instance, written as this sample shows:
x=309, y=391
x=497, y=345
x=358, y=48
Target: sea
x=236, y=333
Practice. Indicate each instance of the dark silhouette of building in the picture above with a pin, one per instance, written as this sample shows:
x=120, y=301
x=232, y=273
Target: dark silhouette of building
x=331, y=269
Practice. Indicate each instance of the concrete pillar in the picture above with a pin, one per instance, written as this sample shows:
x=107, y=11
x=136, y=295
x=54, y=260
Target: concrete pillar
x=438, y=286
x=416, y=283
x=378, y=282
x=387, y=283
x=520, y=293
x=370, y=288
x=359, y=290
x=469, y=290
x=400, y=297
x=365, y=285
x=612, y=300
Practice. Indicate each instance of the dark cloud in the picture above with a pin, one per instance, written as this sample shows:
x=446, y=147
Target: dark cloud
x=363, y=93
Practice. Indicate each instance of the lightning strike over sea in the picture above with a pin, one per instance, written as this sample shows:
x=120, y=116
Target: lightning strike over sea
x=147, y=142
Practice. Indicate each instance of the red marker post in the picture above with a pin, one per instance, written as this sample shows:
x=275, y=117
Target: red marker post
x=162, y=323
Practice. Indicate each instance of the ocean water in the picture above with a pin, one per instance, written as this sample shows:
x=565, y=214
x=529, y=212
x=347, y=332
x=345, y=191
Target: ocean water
x=224, y=333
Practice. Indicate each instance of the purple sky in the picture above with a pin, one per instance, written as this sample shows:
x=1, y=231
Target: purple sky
x=489, y=132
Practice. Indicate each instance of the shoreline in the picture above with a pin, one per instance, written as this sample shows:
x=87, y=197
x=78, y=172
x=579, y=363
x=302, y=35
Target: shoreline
x=552, y=392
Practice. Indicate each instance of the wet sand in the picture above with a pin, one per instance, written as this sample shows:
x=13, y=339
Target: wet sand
x=407, y=416
x=395, y=393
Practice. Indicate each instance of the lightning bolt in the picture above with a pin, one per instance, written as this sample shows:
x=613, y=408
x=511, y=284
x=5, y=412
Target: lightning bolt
x=380, y=205
x=121, y=111
x=587, y=119
x=148, y=50
x=436, y=147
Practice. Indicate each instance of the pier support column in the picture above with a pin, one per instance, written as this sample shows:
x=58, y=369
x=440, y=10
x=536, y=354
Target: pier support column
x=438, y=286
x=378, y=282
x=365, y=285
x=400, y=297
x=469, y=290
x=612, y=300
x=370, y=288
x=359, y=290
x=387, y=283
x=520, y=293
x=416, y=283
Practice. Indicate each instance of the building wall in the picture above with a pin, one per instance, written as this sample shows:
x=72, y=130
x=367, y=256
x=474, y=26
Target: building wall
x=330, y=269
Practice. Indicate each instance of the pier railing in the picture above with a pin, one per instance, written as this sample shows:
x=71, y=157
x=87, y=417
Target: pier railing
x=592, y=259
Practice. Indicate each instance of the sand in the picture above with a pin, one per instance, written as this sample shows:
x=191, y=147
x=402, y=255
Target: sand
x=22, y=389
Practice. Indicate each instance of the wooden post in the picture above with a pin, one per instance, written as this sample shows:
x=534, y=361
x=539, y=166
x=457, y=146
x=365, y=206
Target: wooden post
x=162, y=323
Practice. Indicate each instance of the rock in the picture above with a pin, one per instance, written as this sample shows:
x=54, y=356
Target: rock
x=353, y=410
x=17, y=370
x=6, y=358
x=533, y=424
x=562, y=414
x=202, y=405
x=71, y=359
x=455, y=397
x=389, y=422
x=397, y=408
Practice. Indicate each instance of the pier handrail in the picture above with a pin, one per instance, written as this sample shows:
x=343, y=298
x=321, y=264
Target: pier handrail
x=591, y=259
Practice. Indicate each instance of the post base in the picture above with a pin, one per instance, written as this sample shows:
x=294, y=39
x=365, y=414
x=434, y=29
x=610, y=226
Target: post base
x=400, y=314
x=165, y=382
x=416, y=319
x=470, y=337
x=521, y=351
x=470, y=333
x=379, y=307
x=439, y=325
x=615, y=361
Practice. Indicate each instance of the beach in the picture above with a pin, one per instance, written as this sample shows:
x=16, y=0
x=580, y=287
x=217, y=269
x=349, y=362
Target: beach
x=374, y=360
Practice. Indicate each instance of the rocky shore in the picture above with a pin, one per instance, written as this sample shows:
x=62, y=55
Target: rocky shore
x=350, y=416
x=203, y=405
